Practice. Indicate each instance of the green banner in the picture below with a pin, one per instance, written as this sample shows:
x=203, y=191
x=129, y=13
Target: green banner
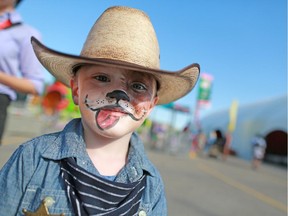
x=204, y=91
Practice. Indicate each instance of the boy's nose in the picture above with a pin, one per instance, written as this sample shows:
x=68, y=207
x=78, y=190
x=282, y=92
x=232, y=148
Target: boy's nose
x=118, y=95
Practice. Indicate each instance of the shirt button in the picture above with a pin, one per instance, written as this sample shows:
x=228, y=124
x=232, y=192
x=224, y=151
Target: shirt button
x=142, y=213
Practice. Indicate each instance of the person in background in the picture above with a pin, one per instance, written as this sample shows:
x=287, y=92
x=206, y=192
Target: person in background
x=202, y=141
x=54, y=99
x=20, y=71
x=216, y=148
x=258, y=147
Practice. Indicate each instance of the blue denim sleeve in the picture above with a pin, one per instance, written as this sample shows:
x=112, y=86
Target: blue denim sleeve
x=160, y=208
x=14, y=176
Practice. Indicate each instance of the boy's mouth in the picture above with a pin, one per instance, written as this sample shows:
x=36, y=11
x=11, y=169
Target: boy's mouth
x=109, y=114
x=107, y=118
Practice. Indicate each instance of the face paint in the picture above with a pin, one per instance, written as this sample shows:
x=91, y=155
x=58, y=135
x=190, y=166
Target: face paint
x=114, y=96
x=116, y=105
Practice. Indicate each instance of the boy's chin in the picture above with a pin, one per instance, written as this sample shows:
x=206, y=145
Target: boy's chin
x=119, y=130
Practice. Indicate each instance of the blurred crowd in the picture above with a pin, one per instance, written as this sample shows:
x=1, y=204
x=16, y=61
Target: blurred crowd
x=163, y=137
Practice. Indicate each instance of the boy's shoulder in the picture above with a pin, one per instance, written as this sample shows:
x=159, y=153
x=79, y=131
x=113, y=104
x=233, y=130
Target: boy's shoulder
x=39, y=144
x=53, y=144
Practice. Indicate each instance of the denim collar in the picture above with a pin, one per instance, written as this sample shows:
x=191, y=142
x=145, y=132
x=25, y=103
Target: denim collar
x=70, y=143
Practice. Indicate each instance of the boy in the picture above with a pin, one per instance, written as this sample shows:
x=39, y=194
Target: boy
x=97, y=164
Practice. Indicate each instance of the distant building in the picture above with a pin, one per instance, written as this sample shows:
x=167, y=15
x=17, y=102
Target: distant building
x=267, y=117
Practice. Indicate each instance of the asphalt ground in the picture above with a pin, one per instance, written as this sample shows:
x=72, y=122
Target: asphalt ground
x=199, y=187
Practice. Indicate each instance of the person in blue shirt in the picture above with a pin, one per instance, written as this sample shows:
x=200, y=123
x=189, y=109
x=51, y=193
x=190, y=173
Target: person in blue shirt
x=97, y=165
x=20, y=70
x=258, y=147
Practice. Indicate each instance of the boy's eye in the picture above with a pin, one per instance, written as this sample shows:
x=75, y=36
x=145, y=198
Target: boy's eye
x=139, y=87
x=102, y=78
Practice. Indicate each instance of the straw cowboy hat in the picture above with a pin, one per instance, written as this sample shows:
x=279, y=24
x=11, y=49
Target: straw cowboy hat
x=122, y=37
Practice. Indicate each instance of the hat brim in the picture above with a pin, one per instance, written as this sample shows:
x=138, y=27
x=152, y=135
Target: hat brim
x=173, y=84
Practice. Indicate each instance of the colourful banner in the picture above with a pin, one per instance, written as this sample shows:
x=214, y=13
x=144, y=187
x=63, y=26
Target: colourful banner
x=204, y=91
x=233, y=116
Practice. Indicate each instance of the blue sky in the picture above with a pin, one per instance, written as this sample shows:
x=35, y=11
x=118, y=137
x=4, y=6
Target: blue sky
x=241, y=43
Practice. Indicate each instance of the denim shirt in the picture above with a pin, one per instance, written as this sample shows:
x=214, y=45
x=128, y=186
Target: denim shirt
x=33, y=173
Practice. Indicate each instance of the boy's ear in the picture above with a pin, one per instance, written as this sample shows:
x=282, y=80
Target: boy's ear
x=74, y=89
x=155, y=101
x=153, y=104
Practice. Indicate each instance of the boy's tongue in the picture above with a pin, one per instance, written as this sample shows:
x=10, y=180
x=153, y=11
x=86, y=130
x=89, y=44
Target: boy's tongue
x=107, y=118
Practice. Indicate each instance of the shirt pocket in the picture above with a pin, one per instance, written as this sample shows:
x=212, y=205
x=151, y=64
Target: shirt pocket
x=34, y=196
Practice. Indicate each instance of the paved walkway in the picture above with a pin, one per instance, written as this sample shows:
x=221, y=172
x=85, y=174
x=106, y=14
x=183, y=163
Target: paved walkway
x=199, y=187
x=209, y=187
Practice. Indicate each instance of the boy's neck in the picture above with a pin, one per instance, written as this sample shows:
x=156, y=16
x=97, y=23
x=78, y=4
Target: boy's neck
x=108, y=155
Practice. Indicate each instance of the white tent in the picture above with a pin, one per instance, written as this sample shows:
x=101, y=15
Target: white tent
x=267, y=117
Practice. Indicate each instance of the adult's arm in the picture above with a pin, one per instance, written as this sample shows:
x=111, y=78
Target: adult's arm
x=18, y=84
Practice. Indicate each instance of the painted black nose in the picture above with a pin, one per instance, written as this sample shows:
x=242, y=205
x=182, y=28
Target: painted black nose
x=118, y=95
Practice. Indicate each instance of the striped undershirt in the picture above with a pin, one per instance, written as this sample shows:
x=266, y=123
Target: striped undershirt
x=93, y=195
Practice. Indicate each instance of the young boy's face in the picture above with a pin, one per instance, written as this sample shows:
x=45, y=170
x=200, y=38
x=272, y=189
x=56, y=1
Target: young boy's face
x=113, y=101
